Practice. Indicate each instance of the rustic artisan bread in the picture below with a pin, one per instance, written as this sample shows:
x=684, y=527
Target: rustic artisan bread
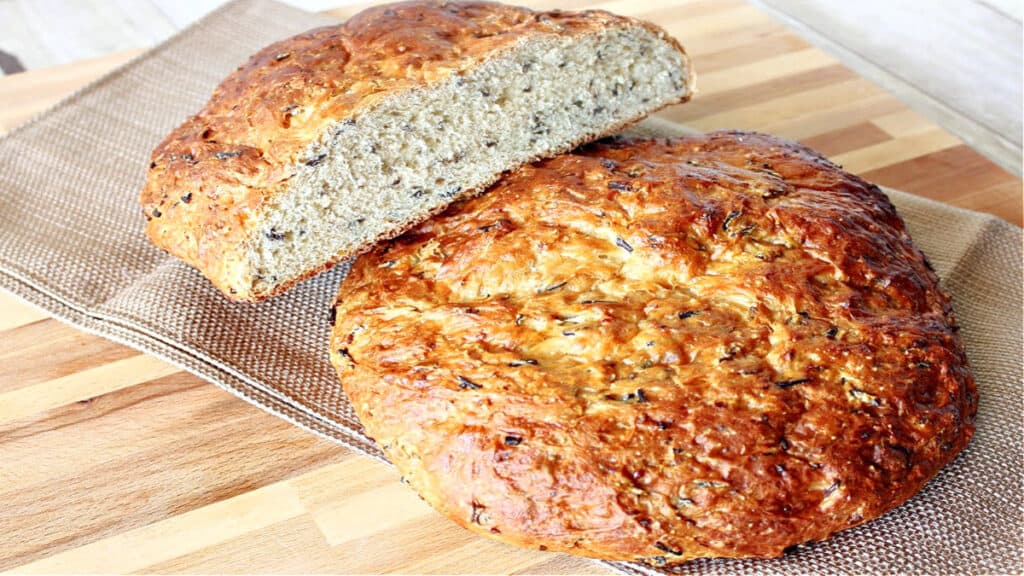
x=658, y=350
x=329, y=141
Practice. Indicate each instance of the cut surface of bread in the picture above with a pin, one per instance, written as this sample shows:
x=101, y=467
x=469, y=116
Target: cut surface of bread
x=659, y=350
x=330, y=141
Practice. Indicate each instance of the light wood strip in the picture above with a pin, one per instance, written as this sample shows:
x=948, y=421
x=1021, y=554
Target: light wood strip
x=743, y=35
x=816, y=121
x=81, y=386
x=903, y=123
x=565, y=564
x=16, y=313
x=702, y=26
x=707, y=18
x=753, y=94
x=430, y=541
x=894, y=151
x=787, y=108
x=374, y=494
x=293, y=546
x=656, y=12
x=136, y=549
x=40, y=351
x=136, y=456
x=389, y=506
x=501, y=559
x=774, y=68
x=768, y=45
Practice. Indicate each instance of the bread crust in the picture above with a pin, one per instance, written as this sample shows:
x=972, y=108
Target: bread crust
x=658, y=350
x=210, y=178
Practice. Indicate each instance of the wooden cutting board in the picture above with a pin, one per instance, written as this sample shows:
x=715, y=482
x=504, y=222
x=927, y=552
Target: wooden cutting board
x=113, y=461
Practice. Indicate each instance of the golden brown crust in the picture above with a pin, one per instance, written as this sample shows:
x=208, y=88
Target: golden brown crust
x=719, y=345
x=209, y=178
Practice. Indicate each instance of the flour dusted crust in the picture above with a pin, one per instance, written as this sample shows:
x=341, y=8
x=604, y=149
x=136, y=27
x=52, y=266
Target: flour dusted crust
x=210, y=178
x=658, y=350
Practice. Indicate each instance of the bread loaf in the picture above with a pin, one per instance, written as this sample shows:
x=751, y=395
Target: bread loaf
x=654, y=350
x=327, y=142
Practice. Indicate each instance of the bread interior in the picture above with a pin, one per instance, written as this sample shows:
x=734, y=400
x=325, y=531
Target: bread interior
x=371, y=175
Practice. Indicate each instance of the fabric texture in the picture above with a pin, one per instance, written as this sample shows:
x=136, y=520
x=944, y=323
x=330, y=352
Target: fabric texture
x=72, y=243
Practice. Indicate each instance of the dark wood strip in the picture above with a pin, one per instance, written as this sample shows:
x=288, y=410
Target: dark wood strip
x=956, y=175
x=847, y=139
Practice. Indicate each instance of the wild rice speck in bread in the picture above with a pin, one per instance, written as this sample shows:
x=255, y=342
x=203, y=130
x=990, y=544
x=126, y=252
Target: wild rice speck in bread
x=327, y=142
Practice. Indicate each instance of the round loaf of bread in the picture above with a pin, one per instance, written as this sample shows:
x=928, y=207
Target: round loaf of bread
x=658, y=350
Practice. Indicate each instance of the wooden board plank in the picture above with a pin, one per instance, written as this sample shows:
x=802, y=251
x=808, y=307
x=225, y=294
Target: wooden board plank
x=956, y=62
x=18, y=315
x=98, y=472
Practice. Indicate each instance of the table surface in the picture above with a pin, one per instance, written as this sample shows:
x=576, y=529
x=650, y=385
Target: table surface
x=97, y=474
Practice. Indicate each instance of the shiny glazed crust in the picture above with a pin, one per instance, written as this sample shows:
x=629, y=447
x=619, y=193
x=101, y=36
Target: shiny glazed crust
x=210, y=178
x=658, y=350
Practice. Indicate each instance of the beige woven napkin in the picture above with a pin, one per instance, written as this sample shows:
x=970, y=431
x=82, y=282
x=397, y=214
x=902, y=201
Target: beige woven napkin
x=72, y=243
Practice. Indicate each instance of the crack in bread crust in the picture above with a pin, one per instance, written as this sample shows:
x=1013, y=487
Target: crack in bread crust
x=658, y=350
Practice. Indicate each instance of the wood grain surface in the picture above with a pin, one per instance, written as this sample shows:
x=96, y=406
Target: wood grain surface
x=112, y=461
x=974, y=93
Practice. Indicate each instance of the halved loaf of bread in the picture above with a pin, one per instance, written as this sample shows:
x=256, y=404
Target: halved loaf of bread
x=324, y=143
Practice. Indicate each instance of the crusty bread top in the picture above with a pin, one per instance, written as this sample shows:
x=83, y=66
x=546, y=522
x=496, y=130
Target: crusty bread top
x=717, y=345
x=211, y=175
